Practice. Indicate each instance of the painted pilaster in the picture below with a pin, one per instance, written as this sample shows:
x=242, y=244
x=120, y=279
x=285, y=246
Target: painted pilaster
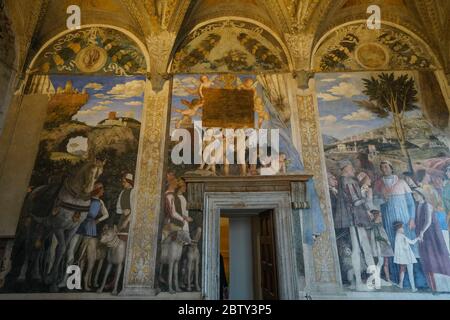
x=139, y=277
x=323, y=258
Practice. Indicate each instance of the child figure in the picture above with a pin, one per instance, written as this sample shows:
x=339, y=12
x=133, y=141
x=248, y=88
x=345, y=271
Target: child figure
x=404, y=256
x=189, y=113
x=248, y=84
x=260, y=111
x=381, y=247
x=204, y=83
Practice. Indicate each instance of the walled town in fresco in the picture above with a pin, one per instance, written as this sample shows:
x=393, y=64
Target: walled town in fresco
x=389, y=181
x=80, y=198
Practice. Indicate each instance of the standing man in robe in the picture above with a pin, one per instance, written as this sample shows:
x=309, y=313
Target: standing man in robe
x=396, y=204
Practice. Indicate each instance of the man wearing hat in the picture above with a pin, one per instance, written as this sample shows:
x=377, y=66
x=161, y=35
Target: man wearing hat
x=125, y=205
x=352, y=213
x=396, y=204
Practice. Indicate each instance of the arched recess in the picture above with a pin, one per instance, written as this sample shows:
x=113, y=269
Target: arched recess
x=397, y=47
x=353, y=47
x=230, y=45
x=90, y=32
x=86, y=83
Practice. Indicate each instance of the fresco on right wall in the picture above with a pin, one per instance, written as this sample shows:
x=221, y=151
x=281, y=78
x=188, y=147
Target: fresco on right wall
x=388, y=163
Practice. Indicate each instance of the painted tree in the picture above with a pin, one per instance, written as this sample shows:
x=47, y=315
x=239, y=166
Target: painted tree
x=392, y=96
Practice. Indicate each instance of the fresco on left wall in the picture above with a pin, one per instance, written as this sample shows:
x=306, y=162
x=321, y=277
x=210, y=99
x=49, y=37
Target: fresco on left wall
x=85, y=168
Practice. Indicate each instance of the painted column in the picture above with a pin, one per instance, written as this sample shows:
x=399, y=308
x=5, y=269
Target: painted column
x=322, y=262
x=139, y=277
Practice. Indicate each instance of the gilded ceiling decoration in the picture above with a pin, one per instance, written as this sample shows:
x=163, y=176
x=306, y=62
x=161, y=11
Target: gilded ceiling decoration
x=355, y=47
x=92, y=50
x=229, y=46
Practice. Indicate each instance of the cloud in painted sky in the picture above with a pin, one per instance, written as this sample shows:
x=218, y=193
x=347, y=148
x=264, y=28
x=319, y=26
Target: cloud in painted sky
x=94, y=86
x=100, y=95
x=327, y=97
x=105, y=102
x=133, y=103
x=328, y=120
x=180, y=85
x=85, y=113
x=360, y=115
x=99, y=108
x=345, y=89
x=346, y=76
x=126, y=90
x=328, y=80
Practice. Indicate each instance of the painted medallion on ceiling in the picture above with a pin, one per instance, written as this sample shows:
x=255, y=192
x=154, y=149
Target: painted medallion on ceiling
x=229, y=46
x=355, y=47
x=92, y=50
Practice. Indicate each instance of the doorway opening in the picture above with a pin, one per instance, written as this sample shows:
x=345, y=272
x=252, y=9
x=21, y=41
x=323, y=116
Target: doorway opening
x=248, y=267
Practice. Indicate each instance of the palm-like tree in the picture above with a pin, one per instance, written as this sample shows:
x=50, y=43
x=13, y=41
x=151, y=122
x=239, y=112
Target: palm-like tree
x=389, y=95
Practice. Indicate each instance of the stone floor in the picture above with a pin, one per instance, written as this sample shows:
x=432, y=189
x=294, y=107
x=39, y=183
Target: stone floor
x=97, y=296
x=405, y=295
x=346, y=295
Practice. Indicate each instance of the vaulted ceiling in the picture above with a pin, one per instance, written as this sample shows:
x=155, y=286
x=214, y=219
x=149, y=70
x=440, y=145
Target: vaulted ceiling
x=300, y=23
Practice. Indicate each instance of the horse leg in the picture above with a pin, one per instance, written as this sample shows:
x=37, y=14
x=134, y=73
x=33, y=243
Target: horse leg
x=24, y=268
x=28, y=248
x=50, y=259
x=37, y=259
x=97, y=272
x=105, y=277
x=116, y=283
x=70, y=256
x=59, y=255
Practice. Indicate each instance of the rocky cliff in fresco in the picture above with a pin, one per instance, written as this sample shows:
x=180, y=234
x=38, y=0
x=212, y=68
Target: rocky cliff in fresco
x=81, y=185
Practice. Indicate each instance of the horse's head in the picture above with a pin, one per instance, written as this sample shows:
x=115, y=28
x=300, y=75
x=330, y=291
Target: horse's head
x=83, y=181
x=94, y=172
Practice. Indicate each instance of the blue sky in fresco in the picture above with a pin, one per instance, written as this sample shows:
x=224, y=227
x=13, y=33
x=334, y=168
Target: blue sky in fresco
x=121, y=94
x=340, y=117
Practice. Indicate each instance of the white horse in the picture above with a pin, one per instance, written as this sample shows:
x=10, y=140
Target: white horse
x=59, y=218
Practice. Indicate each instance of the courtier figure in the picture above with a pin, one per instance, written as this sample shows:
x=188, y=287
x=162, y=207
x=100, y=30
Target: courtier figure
x=125, y=206
x=352, y=213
